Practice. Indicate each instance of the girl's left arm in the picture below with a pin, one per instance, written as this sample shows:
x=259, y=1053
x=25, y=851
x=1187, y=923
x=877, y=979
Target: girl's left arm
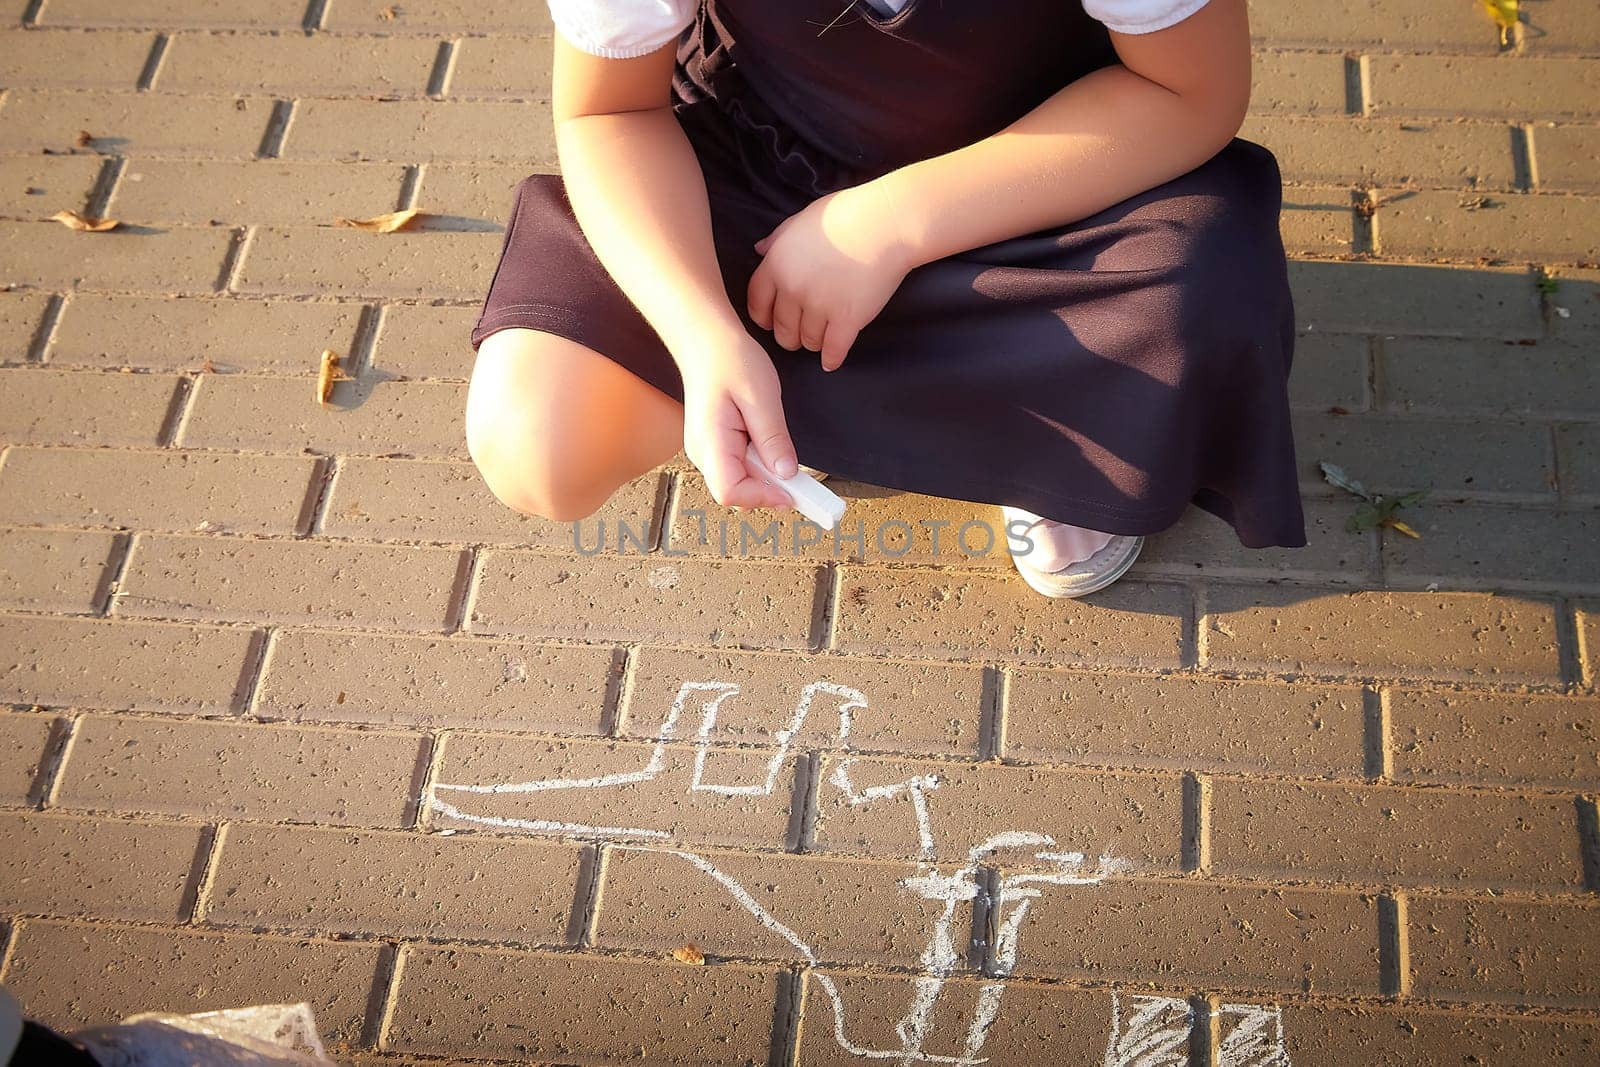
x=1177, y=98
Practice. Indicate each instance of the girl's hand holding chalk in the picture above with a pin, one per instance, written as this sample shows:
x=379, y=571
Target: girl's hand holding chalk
x=811, y=498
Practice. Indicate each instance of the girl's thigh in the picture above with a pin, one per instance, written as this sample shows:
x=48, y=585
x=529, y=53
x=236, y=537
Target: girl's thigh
x=556, y=427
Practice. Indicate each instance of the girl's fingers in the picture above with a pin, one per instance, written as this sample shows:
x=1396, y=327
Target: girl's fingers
x=762, y=292
x=813, y=328
x=786, y=321
x=836, y=344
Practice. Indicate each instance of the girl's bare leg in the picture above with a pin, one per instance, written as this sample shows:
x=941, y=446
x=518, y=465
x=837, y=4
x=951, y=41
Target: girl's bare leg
x=555, y=427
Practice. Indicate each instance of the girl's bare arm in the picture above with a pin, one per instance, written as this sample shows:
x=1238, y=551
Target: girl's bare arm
x=1178, y=96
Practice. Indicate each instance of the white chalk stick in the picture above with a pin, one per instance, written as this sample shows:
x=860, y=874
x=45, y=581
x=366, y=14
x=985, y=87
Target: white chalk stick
x=811, y=498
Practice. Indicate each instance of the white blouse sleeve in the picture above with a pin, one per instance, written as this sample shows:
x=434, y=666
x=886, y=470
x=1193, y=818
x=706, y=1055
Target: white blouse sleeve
x=1141, y=16
x=621, y=29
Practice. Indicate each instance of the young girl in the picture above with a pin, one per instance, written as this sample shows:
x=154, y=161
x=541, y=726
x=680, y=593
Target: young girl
x=1007, y=251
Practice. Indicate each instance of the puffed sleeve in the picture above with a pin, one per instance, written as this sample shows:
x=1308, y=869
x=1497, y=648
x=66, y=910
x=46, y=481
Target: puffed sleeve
x=1141, y=16
x=620, y=29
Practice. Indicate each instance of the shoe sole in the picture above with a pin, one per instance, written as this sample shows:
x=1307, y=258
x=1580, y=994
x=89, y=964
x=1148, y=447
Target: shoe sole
x=1060, y=587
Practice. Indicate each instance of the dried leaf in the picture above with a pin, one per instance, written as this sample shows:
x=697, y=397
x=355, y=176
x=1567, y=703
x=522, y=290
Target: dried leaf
x=1396, y=524
x=395, y=220
x=325, y=375
x=1337, y=477
x=74, y=221
x=387, y=14
x=1504, y=13
x=689, y=953
x=84, y=139
x=207, y=367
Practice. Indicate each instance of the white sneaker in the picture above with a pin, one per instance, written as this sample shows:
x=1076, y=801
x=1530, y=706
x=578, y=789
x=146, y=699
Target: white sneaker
x=1075, y=579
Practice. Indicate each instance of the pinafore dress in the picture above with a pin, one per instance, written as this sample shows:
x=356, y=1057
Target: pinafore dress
x=1105, y=373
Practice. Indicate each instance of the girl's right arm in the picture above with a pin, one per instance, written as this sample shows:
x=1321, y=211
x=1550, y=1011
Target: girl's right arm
x=640, y=198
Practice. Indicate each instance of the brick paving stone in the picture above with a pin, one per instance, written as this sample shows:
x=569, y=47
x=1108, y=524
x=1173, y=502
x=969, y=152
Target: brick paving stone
x=176, y=491
x=278, y=336
x=1300, y=83
x=964, y=615
x=233, y=770
x=1390, y=25
x=1578, y=456
x=134, y=124
x=36, y=187
x=362, y=417
x=490, y=131
x=268, y=191
x=884, y=526
x=1395, y=298
x=323, y=261
x=20, y=315
x=1575, y=305
x=1330, y=370
x=517, y=67
x=1451, y=87
x=170, y=14
x=413, y=885
x=53, y=570
x=56, y=865
x=317, y=675
x=658, y=806
x=1425, y=224
x=1318, y=220
x=1510, y=738
x=23, y=743
x=1588, y=626
x=292, y=64
x=229, y=579
x=91, y=663
x=1201, y=543
x=1232, y=938
x=49, y=254
x=423, y=500
x=1558, y=28
x=1331, y=151
x=1567, y=158
x=1393, y=835
x=1376, y=633
x=72, y=975
x=473, y=196
x=108, y=59
x=438, y=16
x=1330, y=1036
x=1036, y=1024
x=1137, y=819
x=458, y=1001
x=1463, y=546
x=645, y=598
x=910, y=707
x=844, y=911
x=421, y=341
x=1178, y=722
x=1450, y=458
x=1437, y=375
x=48, y=407
x=1503, y=951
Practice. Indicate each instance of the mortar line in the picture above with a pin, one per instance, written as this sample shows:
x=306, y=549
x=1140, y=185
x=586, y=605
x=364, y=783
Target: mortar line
x=1373, y=382
x=1394, y=962
x=1357, y=85
x=375, y=1029
x=1377, y=746
x=1522, y=172
x=248, y=692
x=283, y=112
x=993, y=712
x=794, y=991
x=1205, y=1030
x=8, y=937
x=30, y=15
x=106, y=180
x=410, y=185
x=152, y=62
x=45, y=331
x=1530, y=155
x=56, y=743
x=618, y=691
x=826, y=599
x=111, y=575
x=980, y=939
x=444, y=64
x=316, y=14
x=364, y=345
x=805, y=802
x=1569, y=658
x=233, y=261
x=50, y=776
x=177, y=411
x=314, y=508
x=1196, y=646
x=437, y=740
x=1364, y=222
x=1195, y=839
x=1589, y=841
x=207, y=860
x=593, y=896
x=662, y=509
x=463, y=591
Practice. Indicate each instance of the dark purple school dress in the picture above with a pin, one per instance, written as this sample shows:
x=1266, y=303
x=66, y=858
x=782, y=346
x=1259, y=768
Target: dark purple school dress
x=1105, y=373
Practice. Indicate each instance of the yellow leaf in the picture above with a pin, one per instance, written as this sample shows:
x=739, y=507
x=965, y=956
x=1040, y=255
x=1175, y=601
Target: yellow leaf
x=395, y=220
x=1396, y=524
x=74, y=221
x=325, y=375
x=689, y=953
x=1504, y=13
